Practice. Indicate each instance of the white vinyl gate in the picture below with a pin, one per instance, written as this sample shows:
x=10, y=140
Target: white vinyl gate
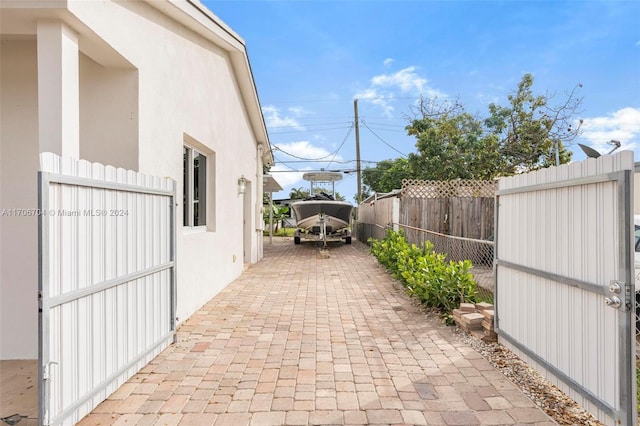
x=565, y=282
x=106, y=281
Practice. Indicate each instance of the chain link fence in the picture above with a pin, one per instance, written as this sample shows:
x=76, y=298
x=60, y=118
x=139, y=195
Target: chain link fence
x=479, y=252
x=365, y=231
x=637, y=313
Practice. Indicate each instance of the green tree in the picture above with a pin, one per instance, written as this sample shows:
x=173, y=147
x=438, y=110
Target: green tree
x=527, y=134
x=452, y=144
x=298, y=193
x=386, y=176
x=275, y=213
x=532, y=133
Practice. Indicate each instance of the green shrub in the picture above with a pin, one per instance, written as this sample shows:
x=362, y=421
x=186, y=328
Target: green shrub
x=425, y=273
x=282, y=232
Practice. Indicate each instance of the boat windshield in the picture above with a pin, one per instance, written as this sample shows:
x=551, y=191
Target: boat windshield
x=321, y=196
x=323, y=185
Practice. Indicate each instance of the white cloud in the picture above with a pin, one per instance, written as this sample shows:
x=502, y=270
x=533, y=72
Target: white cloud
x=369, y=93
x=285, y=179
x=298, y=111
x=406, y=79
x=384, y=88
x=304, y=150
x=293, y=151
x=487, y=98
x=622, y=125
x=380, y=98
x=388, y=62
x=274, y=119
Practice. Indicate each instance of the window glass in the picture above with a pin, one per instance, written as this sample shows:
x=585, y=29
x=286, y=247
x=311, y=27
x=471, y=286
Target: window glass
x=199, y=189
x=185, y=186
x=194, y=188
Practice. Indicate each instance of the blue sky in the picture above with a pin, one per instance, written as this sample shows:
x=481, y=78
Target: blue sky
x=311, y=59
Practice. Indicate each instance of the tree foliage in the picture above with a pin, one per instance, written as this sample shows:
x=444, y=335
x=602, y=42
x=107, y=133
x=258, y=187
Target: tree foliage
x=301, y=194
x=298, y=193
x=452, y=144
x=527, y=134
x=275, y=213
x=533, y=133
x=387, y=175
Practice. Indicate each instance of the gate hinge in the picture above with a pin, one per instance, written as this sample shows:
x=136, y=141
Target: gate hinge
x=46, y=370
x=46, y=376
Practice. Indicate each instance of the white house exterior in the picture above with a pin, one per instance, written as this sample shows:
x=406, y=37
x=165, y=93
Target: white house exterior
x=151, y=86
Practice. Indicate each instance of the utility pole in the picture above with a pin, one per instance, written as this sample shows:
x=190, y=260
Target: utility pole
x=355, y=111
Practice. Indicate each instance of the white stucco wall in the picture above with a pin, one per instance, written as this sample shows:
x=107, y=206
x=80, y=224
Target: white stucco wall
x=108, y=114
x=18, y=190
x=186, y=86
x=146, y=84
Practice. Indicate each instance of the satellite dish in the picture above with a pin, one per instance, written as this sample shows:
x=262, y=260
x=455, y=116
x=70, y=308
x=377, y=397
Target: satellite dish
x=591, y=153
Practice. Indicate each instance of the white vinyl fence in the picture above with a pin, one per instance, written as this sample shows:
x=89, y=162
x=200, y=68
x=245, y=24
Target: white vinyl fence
x=564, y=260
x=106, y=281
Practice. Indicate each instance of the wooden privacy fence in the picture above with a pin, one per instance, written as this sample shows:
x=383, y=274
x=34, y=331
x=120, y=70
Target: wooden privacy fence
x=375, y=215
x=106, y=281
x=456, y=216
x=461, y=208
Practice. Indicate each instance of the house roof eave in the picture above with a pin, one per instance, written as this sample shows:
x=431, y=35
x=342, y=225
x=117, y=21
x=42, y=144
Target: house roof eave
x=195, y=16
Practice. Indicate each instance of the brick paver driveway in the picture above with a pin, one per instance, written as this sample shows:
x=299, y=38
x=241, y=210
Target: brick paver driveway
x=302, y=338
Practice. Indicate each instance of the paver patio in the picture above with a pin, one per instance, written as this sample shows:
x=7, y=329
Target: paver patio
x=302, y=338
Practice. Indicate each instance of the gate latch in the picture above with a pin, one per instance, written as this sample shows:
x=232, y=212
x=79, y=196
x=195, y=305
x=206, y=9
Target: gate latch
x=613, y=301
x=623, y=290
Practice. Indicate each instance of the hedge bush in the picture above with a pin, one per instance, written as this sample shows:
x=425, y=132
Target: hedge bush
x=426, y=274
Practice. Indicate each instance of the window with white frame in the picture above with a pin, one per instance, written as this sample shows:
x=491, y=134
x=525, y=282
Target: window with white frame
x=194, y=188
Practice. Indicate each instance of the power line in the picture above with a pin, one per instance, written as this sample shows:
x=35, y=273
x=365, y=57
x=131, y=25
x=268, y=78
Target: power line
x=298, y=126
x=388, y=98
x=387, y=125
x=306, y=130
x=316, y=161
x=296, y=101
x=323, y=158
x=377, y=117
x=372, y=98
x=387, y=130
x=341, y=145
x=383, y=141
x=345, y=171
x=291, y=169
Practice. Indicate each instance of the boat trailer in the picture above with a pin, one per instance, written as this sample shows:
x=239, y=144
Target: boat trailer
x=322, y=233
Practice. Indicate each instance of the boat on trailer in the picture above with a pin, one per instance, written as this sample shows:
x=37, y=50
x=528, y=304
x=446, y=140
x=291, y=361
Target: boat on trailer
x=320, y=216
